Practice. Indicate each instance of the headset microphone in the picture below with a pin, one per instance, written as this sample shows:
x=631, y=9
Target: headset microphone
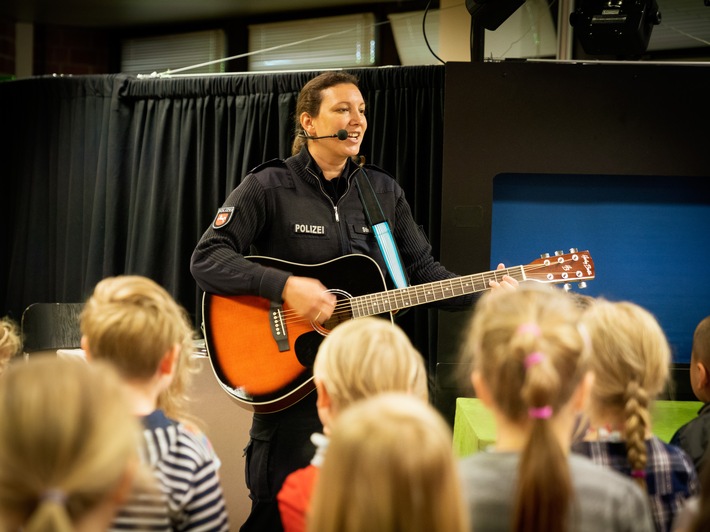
x=340, y=135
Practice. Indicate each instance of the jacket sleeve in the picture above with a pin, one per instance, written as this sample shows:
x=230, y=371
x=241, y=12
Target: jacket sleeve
x=218, y=262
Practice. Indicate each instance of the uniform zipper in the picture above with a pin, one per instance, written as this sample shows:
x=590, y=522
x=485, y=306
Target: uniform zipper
x=334, y=205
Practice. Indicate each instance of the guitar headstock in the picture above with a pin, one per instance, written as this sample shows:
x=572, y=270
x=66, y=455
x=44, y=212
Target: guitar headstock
x=573, y=267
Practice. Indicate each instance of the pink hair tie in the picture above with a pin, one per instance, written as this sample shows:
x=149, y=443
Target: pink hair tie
x=54, y=495
x=543, y=412
x=534, y=358
x=531, y=328
x=638, y=473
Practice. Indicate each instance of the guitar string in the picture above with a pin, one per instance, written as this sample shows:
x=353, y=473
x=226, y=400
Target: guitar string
x=423, y=289
x=345, y=307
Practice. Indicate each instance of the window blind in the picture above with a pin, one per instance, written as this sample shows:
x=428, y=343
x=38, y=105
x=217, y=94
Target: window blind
x=168, y=52
x=328, y=42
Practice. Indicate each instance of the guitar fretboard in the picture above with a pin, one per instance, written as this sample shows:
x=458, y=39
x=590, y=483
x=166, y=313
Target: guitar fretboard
x=392, y=300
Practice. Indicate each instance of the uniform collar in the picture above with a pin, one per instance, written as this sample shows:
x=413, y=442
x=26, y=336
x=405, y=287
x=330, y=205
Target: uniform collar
x=306, y=159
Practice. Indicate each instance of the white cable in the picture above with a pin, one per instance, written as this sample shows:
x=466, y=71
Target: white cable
x=168, y=73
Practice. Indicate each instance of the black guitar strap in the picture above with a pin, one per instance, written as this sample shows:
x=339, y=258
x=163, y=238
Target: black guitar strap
x=380, y=227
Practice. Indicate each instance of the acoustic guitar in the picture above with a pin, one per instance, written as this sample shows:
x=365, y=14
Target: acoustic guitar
x=262, y=352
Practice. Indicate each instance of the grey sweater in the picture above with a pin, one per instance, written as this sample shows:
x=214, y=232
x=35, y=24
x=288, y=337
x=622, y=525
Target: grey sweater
x=604, y=500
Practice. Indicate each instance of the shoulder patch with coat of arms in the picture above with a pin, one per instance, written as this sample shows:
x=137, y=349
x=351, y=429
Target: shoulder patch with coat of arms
x=224, y=215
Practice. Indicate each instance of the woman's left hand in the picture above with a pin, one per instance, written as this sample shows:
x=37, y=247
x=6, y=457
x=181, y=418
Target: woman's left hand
x=506, y=283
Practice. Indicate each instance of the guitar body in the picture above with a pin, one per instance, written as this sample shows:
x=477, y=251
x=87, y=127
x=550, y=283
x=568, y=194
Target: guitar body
x=262, y=352
x=256, y=370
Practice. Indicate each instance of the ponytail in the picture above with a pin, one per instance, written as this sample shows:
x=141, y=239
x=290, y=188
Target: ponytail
x=544, y=488
x=527, y=347
x=51, y=514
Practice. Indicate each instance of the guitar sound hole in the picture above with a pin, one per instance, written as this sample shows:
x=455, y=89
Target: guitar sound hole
x=343, y=312
x=336, y=319
x=306, y=348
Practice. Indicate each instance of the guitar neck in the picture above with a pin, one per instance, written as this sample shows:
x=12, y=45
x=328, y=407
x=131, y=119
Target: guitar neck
x=400, y=298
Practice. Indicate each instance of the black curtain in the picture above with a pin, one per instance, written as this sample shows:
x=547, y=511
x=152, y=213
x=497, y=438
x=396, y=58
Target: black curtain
x=105, y=175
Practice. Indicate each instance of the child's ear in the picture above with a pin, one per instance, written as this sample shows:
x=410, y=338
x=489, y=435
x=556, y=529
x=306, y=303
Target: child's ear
x=324, y=404
x=323, y=400
x=483, y=392
x=580, y=397
x=703, y=375
x=85, y=346
x=169, y=360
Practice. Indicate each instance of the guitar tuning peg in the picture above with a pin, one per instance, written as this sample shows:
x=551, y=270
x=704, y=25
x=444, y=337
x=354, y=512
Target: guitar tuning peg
x=545, y=256
x=583, y=284
x=558, y=253
x=573, y=250
x=567, y=287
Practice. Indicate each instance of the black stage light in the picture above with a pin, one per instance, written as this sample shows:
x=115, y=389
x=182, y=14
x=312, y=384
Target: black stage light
x=615, y=27
x=492, y=13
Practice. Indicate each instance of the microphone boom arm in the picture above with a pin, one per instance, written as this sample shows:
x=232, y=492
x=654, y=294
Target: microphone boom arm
x=340, y=135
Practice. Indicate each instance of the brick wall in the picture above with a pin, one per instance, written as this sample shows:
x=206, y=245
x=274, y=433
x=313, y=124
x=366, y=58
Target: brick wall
x=63, y=50
x=58, y=50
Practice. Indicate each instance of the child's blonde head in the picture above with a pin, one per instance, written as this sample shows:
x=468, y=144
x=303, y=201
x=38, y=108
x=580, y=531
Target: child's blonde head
x=68, y=442
x=508, y=328
x=389, y=466
x=527, y=347
x=367, y=356
x=631, y=359
x=133, y=322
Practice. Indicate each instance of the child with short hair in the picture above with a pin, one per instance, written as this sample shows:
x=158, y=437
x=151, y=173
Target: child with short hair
x=390, y=466
x=631, y=360
x=68, y=455
x=694, y=436
x=358, y=359
x=136, y=325
x=530, y=368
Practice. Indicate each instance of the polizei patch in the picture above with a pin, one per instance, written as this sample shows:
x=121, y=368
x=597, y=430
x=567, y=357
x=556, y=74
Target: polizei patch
x=307, y=229
x=224, y=215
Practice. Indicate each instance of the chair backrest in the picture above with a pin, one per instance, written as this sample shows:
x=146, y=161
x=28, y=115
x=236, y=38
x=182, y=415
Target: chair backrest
x=51, y=326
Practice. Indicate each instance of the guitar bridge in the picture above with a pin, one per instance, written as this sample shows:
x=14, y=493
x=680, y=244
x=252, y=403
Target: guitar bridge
x=278, y=327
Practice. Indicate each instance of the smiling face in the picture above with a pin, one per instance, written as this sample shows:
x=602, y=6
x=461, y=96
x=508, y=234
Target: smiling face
x=342, y=107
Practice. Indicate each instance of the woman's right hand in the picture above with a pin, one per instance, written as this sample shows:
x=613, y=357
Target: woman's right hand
x=309, y=298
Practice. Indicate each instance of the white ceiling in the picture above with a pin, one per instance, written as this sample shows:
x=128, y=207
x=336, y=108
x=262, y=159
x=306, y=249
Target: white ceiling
x=122, y=13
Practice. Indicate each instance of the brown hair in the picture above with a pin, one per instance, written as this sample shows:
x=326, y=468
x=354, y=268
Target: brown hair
x=528, y=348
x=310, y=98
x=631, y=357
x=389, y=466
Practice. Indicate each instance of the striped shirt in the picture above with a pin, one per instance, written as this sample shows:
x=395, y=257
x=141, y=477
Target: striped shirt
x=188, y=495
